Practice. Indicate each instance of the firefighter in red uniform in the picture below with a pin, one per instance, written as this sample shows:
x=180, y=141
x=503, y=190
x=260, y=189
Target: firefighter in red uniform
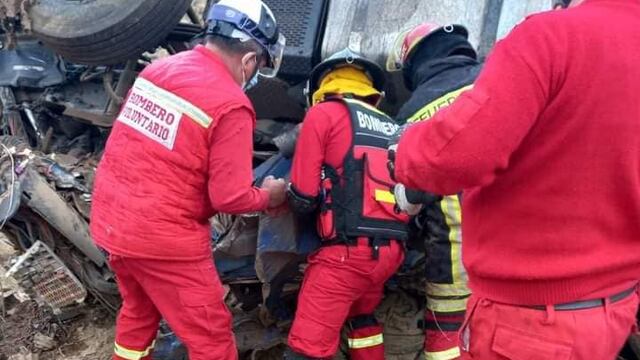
x=180, y=151
x=339, y=170
x=545, y=151
x=438, y=63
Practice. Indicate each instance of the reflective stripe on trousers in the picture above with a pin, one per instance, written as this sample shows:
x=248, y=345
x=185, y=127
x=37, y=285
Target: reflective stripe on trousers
x=362, y=343
x=130, y=354
x=449, y=354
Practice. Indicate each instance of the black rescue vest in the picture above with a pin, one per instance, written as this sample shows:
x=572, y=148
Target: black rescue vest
x=359, y=203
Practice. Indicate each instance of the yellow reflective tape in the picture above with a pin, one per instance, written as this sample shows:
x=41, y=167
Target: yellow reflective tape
x=166, y=98
x=459, y=288
x=450, y=206
x=129, y=354
x=427, y=111
x=370, y=341
x=446, y=305
x=385, y=196
x=449, y=354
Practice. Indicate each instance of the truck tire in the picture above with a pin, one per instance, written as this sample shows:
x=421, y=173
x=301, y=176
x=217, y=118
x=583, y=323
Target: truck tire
x=104, y=32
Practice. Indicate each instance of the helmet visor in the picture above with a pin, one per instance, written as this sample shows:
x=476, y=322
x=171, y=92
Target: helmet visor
x=275, y=53
x=394, y=59
x=264, y=33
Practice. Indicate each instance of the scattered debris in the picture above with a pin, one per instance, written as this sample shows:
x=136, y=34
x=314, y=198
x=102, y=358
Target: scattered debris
x=44, y=342
x=46, y=278
x=34, y=332
x=24, y=356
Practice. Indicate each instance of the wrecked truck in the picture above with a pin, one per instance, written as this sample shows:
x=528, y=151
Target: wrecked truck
x=65, y=68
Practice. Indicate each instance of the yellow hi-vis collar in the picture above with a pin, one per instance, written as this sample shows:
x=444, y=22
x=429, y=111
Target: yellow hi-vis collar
x=345, y=80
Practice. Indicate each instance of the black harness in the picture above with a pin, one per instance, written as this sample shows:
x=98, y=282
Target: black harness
x=361, y=202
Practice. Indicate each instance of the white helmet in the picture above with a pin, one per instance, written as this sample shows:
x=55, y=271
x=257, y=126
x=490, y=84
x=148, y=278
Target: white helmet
x=249, y=20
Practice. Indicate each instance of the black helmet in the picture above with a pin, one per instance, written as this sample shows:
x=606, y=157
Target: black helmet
x=344, y=57
x=408, y=41
x=561, y=3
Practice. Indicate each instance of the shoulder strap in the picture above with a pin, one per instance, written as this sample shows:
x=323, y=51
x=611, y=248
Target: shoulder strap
x=370, y=126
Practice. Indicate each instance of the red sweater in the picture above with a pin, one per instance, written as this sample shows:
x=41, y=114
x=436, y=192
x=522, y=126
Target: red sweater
x=547, y=150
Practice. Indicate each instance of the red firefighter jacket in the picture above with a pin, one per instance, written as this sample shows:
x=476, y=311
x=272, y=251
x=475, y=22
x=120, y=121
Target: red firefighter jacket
x=546, y=150
x=348, y=134
x=180, y=151
x=325, y=139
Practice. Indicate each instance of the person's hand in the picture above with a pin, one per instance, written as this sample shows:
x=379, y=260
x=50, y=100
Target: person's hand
x=411, y=201
x=277, y=191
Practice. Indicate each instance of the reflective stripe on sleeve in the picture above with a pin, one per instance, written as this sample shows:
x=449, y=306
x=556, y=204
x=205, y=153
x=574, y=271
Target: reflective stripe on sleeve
x=449, y=354
x=129, y=354
x=367, y=342
x=453, y=217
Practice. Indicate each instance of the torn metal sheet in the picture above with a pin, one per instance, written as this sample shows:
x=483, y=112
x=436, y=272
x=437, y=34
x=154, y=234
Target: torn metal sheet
x=30, y=65
x=238, y=235
x=282, y=234
x=47, y=203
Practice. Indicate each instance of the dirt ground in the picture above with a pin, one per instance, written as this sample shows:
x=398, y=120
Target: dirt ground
x=30, y=332
x=89, y=336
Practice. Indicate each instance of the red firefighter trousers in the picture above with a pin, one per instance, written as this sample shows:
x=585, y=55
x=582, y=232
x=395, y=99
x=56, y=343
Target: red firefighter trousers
x=501, y=332
x=342, y=283
x=188, y=295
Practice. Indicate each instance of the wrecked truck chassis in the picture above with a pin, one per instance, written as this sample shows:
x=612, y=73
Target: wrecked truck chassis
x=43, y=214
x=44, y=201
x=40, y=112
x=262, y=306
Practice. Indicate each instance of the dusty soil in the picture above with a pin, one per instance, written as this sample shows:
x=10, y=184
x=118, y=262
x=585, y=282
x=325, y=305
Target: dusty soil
x=30, y=332
x=87, y=336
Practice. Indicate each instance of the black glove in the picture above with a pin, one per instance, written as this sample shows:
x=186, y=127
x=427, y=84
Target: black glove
x=300, y=203
x=421, y=197
x=411, y=201
x=392, y=147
